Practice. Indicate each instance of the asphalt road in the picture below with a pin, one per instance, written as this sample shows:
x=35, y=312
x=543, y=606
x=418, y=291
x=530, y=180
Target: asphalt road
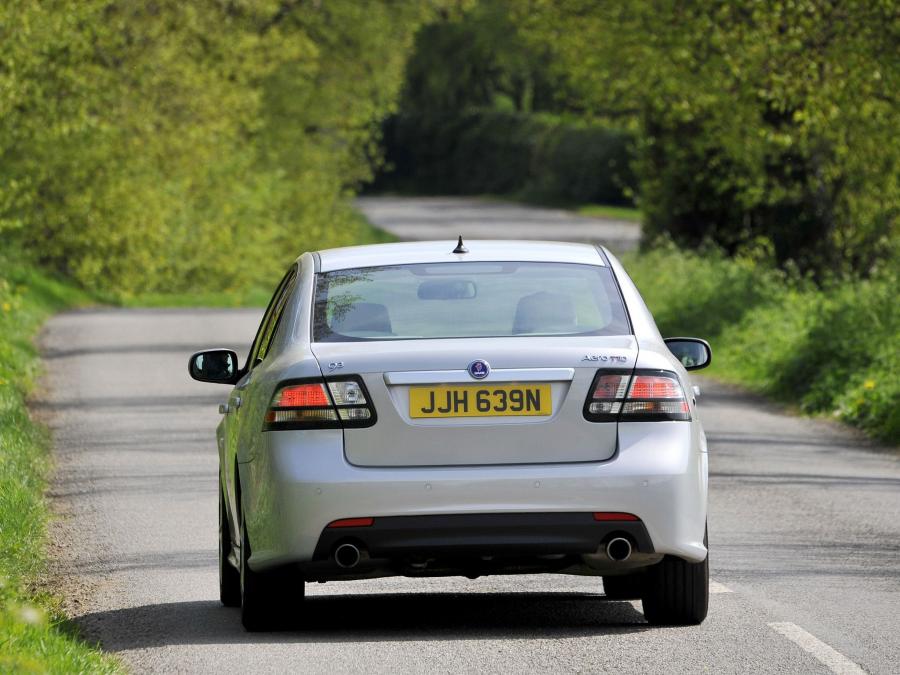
x=428, y=218
x=804, y=533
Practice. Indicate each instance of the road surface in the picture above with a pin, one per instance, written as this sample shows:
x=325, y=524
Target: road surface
x=428, y=218
x=804, y=532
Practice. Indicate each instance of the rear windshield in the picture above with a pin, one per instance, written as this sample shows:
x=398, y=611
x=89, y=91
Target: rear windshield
x=465, y=300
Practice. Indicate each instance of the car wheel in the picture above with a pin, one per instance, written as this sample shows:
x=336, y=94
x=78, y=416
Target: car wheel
x=676, y=592
x=268, y=598
x=229, y=577
x=624, y=587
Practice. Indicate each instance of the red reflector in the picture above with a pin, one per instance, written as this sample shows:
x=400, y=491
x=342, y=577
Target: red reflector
x=301, y=395
x=653, y=386
x=352, y=522
x=613, y=515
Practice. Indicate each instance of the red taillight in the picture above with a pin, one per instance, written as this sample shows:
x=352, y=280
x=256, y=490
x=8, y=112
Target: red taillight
x=320, y=405
x=352, y=522
x=302, y=396
x=652, y=395
x=614, y=515
x=654, y=386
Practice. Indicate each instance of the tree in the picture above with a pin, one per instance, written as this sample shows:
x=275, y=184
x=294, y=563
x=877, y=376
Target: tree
x=771, y=122
x=143, y=144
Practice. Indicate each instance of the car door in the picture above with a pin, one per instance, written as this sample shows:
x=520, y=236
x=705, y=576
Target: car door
x=234, y=429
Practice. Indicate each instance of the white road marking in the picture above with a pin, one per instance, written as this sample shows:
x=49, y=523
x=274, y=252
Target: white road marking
x=716, y=587
x=829, y=656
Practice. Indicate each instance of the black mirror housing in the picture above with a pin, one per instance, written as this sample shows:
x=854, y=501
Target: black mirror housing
x=219, y=366
x=693, y=353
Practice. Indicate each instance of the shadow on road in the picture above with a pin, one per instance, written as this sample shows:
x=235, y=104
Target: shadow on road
x=378, y=617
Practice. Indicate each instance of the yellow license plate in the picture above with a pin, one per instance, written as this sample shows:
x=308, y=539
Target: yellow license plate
x=499, y=400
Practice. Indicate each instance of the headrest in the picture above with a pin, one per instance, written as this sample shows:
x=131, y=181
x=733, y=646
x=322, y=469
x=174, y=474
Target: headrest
x=362, y=317
x=545, y=312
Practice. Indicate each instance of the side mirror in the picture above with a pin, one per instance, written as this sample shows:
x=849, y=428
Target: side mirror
x=215, y=365
x=693, y=353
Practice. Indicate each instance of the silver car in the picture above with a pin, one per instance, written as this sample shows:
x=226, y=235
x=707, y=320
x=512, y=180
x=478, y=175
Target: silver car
x=440, y=408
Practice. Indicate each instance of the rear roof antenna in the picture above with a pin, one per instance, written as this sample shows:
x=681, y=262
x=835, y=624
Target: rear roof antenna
x=460, y=247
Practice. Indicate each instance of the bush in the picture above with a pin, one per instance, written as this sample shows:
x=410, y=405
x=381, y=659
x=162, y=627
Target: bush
x=488, y=151
x=827, y=350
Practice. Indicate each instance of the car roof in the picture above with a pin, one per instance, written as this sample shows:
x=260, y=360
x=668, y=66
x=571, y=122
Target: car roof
x=480, y=250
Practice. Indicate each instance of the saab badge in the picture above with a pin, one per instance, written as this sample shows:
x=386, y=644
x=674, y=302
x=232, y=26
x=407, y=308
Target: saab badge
x=479, y=369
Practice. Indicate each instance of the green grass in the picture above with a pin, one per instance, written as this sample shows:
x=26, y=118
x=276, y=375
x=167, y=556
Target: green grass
x=628, y=213
x=251, y=297
x=34, y=634
x=828, y=350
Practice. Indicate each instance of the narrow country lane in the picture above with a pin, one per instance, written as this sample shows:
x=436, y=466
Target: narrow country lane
x=428, y=218
x=804, y=537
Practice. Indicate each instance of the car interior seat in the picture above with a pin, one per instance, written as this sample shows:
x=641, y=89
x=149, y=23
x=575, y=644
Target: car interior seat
x=545, y=312
x=362, y=318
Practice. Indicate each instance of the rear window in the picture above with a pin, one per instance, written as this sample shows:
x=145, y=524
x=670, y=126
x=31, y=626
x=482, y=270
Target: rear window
x=466, y=300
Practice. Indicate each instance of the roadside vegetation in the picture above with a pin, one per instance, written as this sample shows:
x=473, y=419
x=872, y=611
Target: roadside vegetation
x=612, y=212
x=172, y=147
x=34, y=634
x=823, y=348
x=755, y=142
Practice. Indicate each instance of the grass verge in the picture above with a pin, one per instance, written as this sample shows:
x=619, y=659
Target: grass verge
x=628, y=213
x=607, y=211
x=829, y=349
x=34, y=633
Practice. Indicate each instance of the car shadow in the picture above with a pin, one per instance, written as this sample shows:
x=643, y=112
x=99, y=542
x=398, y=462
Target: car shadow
x=379, y=617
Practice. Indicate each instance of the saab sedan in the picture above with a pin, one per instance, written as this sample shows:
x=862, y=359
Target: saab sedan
x=449, y=408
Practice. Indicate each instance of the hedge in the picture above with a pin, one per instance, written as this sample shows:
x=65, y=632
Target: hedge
x=494, y=152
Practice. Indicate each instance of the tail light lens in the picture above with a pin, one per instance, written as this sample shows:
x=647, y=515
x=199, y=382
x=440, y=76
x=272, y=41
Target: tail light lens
x=644, y=395
x=316, y=404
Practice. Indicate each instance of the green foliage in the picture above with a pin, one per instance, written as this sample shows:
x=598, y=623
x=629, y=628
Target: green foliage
x=826, y=350
x=171, y=146
x=33, y=633
x=488, y=151
x=474, y=57
x=754, y=120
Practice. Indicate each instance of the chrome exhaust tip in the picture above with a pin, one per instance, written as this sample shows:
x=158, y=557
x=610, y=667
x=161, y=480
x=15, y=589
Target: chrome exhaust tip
x=347, y=556
x=618, y=549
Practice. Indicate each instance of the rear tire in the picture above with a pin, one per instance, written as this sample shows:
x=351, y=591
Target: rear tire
x=624, y=587
x=229, y=577
x=268, y=599
x=676, y=592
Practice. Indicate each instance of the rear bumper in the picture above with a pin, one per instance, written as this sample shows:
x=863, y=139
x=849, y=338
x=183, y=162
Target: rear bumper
x=483, y=534
x=301, y=482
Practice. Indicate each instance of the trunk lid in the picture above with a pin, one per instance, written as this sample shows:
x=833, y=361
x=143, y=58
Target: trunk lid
x=407, y=379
